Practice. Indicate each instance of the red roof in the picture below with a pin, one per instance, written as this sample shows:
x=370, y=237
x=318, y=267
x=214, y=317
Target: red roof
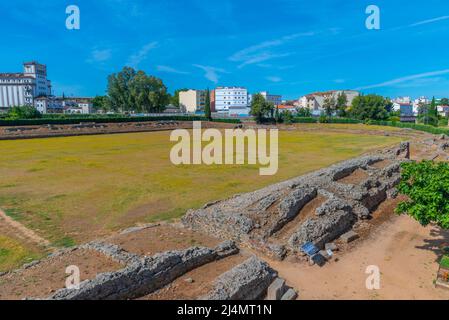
x=286, y=107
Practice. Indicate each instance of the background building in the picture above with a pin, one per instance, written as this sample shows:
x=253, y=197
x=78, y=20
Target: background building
x=272, y=98
x=315, y=101
x=20, y=89
x=77, y=105
x=231, y=99
x=48, y=104
x=192, y=100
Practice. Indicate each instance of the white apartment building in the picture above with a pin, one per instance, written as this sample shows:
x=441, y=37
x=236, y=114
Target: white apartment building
x=192, y=100
x=231, y=98
x=403, y=100
x=272, y=98
x=315, y=101
x=20, y=89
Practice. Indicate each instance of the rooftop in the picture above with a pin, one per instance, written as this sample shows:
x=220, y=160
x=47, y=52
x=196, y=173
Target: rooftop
x=14, y=75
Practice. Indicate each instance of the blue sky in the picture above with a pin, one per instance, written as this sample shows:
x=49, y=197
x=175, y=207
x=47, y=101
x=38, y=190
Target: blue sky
x=289, y=47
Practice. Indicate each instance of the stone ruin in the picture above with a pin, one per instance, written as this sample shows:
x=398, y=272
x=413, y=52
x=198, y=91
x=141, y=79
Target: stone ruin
x=277, y=220
x=142, y=275
x=273, y=219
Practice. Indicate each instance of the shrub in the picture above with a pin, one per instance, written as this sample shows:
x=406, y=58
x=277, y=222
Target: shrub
x=427, y=185
x=323, y=119
x=24, y=112
x=443, y=122
x=305, y=120
x=394, y=119
x=419, y=127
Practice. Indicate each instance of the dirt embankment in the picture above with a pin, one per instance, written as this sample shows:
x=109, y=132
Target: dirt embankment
x=48, y=131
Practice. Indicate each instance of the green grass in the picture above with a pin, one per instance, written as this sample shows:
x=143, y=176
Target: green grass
x=14, y=254
x=74, y=189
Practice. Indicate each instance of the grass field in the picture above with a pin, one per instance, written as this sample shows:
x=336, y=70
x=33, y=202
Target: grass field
x=74, y=189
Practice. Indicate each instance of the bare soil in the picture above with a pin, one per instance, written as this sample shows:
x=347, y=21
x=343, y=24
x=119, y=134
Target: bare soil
x=381, y=164
x=86, y=128
x=50, y=275
x=21, y=231
x=355, y=178
x=203, y=279
x=405, y=252
x=162, y=238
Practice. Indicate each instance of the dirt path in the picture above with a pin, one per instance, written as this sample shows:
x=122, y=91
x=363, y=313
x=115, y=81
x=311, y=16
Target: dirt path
x=405, y=252
x=23, y=232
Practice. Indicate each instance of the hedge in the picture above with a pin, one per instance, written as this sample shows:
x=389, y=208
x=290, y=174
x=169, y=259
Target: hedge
x=305, y=120
x=419, y=127
x=77, y=120
x=328, y=120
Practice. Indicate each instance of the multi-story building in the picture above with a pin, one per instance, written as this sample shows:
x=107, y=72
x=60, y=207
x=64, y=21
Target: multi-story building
x=231, y=99
x=284, y=108
x=79, y=105
x=272, y=98
x=315, y=101
x=403, y=100
x=20, y=89
x=48, y=104
x=192, y=100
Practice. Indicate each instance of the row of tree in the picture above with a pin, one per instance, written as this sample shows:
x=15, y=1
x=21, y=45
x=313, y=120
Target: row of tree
x=363, y=107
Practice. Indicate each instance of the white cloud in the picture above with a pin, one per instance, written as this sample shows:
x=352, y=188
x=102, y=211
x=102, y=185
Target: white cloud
x=339, y=80
x=274, y=79
x=261, y=52
x=135, y=59
x=405, y=79
x=211, y=73
x=168, y=69
x=100, y=55
x=429, y=21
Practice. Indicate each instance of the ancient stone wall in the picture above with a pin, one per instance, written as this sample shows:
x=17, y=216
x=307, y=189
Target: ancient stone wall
x=145, y=276
x=247, y=281
x=254, y=218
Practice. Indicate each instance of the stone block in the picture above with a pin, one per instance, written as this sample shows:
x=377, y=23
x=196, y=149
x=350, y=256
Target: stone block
x=325, y=254
x=331, y=246
x=277, y=289
x=290, y=295
x=349, y=237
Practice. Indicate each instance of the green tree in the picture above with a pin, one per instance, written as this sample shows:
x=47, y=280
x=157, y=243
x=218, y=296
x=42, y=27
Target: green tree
x=287, y=117
x=148, y=93
x=427, y=186
x=119, y=91
x=428, y=114
x=369, y=107
x=260, y=108
x=342, y=104
x=100, y=103
x=304, y=112
x=277, y=115
x=207, y=110
x=329, y=105
x=129, y=90
x=444, y=102
x=23, y=112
